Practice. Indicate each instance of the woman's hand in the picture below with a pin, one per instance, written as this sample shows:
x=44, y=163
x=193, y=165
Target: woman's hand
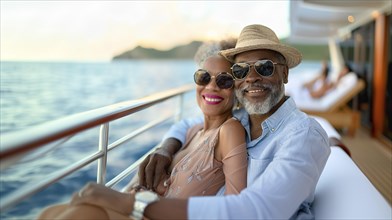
x=102, y=196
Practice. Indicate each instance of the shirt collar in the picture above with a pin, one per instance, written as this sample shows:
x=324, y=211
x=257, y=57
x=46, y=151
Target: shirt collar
x=242, y=116
x=273, y=122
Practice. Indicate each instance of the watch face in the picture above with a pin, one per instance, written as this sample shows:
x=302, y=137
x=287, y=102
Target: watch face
x=142, y=199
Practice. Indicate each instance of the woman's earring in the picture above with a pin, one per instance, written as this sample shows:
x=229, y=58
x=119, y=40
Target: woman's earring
x=237, y=104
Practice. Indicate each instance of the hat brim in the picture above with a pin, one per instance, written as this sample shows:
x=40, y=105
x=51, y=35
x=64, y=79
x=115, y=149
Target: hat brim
x=293, y=56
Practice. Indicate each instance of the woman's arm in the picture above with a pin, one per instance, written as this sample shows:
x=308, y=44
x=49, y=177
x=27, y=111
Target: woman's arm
x=310, y=84
x=232, y=147
x=321, y=91
x=122, y=203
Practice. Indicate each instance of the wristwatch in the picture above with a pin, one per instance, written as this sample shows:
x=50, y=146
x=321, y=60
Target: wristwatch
x=142, y=199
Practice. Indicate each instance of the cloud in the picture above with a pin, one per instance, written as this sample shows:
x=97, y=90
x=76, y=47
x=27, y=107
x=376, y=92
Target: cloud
x=97, y=30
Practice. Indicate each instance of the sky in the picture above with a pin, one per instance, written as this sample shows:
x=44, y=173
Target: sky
x=63, y=30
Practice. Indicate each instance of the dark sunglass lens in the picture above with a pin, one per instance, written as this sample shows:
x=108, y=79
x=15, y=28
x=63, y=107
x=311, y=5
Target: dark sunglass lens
x=224, y=81
x=264, y=67
x=202, y=77
x=240, y=70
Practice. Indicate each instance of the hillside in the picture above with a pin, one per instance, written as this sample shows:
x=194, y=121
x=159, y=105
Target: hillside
x=179, y=52
x=309, y=52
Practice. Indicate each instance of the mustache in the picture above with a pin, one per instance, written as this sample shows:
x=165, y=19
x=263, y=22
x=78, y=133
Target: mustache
x=256, y=85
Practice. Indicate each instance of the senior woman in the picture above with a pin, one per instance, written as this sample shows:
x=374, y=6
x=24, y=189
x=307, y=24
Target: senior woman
x=214, y=155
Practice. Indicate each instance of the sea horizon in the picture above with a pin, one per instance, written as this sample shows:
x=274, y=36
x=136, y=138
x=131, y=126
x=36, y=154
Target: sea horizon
x=37, y=92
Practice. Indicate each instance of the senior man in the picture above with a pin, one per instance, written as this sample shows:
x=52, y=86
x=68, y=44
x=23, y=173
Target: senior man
x=287, y=149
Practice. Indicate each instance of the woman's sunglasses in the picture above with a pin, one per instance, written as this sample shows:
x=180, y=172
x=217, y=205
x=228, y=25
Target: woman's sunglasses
x=262, y=67
x=223, y=80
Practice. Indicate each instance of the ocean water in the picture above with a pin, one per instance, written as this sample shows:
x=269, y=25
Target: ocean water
x=35, y=92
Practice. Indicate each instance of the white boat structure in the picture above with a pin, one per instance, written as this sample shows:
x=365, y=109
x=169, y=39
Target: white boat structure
x=358, y=33
x=343, y=192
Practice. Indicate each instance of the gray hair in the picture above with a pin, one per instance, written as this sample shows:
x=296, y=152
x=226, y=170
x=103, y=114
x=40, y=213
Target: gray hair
x=212, y=48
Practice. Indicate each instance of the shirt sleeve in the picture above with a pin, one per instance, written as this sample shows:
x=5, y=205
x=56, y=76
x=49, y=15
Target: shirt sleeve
x=288, y=180
x=179, y=130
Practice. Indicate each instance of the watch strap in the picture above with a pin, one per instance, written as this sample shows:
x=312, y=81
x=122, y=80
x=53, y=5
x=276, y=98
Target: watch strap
x=138, y=210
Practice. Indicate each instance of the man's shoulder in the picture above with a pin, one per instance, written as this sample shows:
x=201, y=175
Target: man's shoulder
x=299, y=121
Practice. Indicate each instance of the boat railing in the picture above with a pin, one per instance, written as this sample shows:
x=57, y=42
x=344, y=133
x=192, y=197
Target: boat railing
x=18, y=144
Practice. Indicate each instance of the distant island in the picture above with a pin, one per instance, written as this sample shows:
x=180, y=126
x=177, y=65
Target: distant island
x=179, y=52
x=309, y=52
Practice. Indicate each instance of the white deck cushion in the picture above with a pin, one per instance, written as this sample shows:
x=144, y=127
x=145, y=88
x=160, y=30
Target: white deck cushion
x=344, y=192
x=329, y=129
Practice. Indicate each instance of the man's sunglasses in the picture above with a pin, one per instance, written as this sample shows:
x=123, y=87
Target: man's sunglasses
x=262, y=67
x=223, y=80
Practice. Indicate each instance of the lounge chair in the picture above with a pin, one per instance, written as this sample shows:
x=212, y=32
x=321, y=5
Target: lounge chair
x=333, y=105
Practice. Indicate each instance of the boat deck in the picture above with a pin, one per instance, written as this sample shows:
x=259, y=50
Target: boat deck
x=374, y=158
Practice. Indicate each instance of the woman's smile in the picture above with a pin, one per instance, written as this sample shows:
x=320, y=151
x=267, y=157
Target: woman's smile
x=212, y=99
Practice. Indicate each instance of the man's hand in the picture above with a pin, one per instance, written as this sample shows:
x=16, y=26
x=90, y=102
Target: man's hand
x=102, y=196
x=154, y=168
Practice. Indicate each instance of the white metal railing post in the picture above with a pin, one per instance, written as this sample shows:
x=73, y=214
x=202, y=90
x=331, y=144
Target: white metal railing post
x=103, y=147
x=180, y=107
x=16, y=144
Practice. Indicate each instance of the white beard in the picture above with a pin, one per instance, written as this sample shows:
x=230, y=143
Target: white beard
x=263, y=107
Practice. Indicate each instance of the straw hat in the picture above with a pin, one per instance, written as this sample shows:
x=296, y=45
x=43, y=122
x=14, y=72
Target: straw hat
x=255, y=37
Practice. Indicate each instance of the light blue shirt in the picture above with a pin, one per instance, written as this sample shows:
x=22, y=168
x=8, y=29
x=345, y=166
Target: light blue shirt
x=284, y=165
